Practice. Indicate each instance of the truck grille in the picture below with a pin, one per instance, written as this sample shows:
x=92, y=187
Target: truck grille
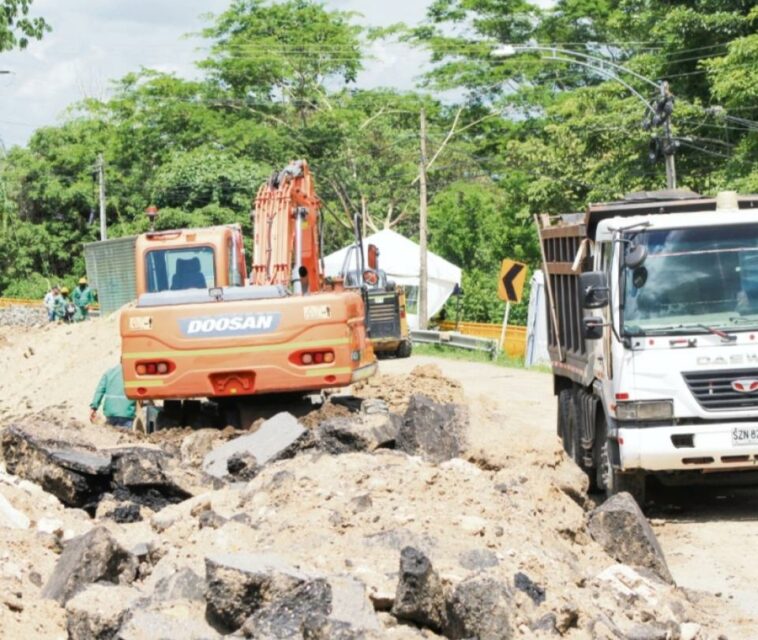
x=383, y=316
x=714, y=392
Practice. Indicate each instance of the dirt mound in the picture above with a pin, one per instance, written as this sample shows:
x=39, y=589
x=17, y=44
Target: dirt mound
x=56, y=367
x=428, y=380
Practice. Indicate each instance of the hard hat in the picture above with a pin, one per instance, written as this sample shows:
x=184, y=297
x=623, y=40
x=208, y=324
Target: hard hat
x=82, y=280
x=64, y=289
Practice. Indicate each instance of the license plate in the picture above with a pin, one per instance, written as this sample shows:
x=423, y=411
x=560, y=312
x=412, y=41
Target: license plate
x=744, y=436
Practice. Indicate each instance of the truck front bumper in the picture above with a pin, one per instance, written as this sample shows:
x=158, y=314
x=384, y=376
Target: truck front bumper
x=703, y=447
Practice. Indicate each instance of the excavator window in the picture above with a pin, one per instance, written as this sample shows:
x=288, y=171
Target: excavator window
x=179, y=269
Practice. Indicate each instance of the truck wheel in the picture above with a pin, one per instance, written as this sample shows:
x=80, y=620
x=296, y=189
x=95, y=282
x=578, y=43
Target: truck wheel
x=405, y=349
x=612, y=480
x=567, y=424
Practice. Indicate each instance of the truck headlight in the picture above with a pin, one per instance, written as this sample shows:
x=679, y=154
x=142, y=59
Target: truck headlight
x=645, y=410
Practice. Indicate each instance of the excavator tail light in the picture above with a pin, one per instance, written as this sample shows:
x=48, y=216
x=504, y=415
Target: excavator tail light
x=309, y=358
x=159, y=368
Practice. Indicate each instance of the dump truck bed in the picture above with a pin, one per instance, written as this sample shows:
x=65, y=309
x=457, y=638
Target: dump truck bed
x=561, y=238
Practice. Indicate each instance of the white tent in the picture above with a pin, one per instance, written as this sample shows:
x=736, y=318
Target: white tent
x=400, y=259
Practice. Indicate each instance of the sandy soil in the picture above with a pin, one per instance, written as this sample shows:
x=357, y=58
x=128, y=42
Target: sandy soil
x=707, y=535
x=56, y=367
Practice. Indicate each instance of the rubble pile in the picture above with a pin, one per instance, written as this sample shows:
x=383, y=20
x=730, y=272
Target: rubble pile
x=384, y=513
x=366, y=523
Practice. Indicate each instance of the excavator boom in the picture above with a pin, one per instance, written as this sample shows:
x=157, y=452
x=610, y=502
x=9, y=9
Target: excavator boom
x=286, y=234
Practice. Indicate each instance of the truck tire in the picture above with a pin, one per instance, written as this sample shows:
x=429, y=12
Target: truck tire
x=405, y=349
x=568, y=424
x=611, y=480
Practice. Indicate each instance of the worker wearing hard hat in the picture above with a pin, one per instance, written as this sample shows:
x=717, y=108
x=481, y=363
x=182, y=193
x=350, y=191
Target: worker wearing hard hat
x=83, y=300
x=64, y=309
x=119, y=411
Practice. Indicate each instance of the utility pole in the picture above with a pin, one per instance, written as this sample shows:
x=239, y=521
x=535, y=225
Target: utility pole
x=423, y=267
x=101, y=181
x=663, y=146
x=669, y=145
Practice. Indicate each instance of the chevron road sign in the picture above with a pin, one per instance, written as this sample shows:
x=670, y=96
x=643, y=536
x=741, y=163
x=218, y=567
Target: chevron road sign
x=510, y=283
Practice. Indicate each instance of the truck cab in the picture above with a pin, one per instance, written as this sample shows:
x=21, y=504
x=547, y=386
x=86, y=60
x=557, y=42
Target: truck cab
x=682, y=380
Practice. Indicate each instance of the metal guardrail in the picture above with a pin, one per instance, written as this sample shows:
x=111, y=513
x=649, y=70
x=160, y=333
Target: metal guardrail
x=515, y=337
x=455, y=339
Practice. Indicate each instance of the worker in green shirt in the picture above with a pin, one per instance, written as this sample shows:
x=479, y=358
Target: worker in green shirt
x=118, y=409
x=83, y=299
x=64, y=309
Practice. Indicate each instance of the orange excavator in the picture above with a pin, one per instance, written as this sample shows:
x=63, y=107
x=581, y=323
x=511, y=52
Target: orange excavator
x=203, y=328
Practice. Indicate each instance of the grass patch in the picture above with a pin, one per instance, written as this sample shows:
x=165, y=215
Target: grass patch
x=451, y=353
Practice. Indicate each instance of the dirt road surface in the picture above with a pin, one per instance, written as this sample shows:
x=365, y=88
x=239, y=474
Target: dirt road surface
x=709, y=536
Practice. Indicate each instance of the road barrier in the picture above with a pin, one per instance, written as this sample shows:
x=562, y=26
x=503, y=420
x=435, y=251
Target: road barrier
x=454, y=339
x=515, y=338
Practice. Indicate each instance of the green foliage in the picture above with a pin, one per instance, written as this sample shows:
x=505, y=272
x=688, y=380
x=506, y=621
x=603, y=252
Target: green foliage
x=284, y=51
x=34, y=286
x=476, y=226
x=517, y=136
x=17, y=27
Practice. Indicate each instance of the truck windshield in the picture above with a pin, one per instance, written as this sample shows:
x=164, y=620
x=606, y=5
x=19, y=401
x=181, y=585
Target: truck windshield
x=177, y=269
x=693, y=280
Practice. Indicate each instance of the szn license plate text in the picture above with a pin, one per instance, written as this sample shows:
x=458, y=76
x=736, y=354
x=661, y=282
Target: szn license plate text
x=744, y=436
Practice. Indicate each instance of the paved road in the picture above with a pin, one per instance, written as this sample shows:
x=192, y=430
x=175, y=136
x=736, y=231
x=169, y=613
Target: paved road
x=710, y=537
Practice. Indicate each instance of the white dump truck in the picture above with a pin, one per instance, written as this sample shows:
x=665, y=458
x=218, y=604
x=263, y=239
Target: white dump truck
x=653, y=337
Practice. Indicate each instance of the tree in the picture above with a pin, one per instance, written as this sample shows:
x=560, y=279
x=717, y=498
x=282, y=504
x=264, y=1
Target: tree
x=272, y=53
x=576, y=132
x=16, y=27
x=475, y=225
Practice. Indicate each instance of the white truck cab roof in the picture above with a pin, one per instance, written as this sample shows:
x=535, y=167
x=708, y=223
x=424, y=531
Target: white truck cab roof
x=722, y=217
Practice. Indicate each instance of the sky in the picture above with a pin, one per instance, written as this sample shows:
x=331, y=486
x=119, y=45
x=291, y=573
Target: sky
x=94, y=42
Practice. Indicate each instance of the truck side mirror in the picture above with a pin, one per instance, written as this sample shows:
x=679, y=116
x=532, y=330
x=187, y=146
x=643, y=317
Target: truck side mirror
x=635, y=256
x=592, y=328
x=594, y=289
